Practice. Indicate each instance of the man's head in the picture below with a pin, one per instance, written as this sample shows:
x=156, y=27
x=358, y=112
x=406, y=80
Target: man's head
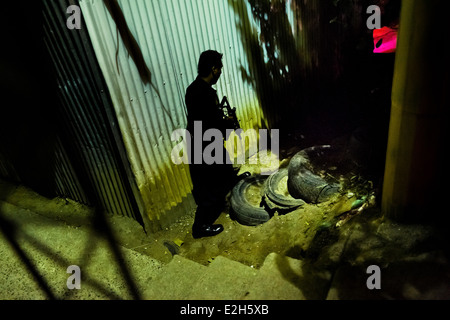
x=210, y=65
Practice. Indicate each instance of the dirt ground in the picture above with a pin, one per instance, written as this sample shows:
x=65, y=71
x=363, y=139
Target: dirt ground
x=327, y=233
x=290, y=234
x=319, y=232
x=323, y=235
x=313, y=232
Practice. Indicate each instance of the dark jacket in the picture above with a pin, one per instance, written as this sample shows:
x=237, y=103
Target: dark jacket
x=203, y=105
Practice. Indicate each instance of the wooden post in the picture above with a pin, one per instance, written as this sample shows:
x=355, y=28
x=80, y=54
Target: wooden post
x=414, y=182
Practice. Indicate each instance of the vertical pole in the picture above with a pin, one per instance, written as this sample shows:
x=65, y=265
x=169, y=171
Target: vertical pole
x=414, y=182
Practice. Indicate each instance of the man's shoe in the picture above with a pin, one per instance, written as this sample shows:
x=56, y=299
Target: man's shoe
x=207, y=231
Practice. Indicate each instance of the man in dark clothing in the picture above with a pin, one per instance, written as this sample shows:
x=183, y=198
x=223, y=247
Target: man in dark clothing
x=211, y=182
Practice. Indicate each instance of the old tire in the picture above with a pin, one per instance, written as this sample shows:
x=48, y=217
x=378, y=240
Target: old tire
x=281, y=200
x=303, y=182
x=243, y=211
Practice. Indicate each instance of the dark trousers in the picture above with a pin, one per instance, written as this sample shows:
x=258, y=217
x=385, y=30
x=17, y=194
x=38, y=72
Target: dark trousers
x=211, y=185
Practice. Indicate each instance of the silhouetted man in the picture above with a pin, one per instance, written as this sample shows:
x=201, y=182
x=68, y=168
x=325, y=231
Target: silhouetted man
x=211, y=182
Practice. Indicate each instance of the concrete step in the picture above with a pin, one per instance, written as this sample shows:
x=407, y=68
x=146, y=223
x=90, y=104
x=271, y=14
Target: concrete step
x=285, y=278
x=184, y=279
x=280, y=278
x=176, y=280
x=225, y=279
x=51, y=247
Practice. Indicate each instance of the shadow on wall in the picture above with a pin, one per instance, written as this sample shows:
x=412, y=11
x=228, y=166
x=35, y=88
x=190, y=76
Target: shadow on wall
x=132, y=48
x=303, y=54
x=128, y=39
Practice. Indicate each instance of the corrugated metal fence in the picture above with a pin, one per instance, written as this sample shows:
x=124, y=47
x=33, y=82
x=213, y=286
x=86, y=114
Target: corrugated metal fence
x=170, y=36
x=90, y=163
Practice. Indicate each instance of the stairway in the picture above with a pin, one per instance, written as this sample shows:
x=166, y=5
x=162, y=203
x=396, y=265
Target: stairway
x=280, y=278
x=52, y=246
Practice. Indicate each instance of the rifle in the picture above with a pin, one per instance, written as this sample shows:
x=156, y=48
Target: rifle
x=229, y=113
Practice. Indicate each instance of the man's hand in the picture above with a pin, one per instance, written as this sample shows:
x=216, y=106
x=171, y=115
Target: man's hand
x=229, y=114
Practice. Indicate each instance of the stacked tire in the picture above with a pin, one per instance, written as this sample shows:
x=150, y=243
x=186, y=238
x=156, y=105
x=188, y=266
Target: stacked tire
x=303, y=185
x=304, y=182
